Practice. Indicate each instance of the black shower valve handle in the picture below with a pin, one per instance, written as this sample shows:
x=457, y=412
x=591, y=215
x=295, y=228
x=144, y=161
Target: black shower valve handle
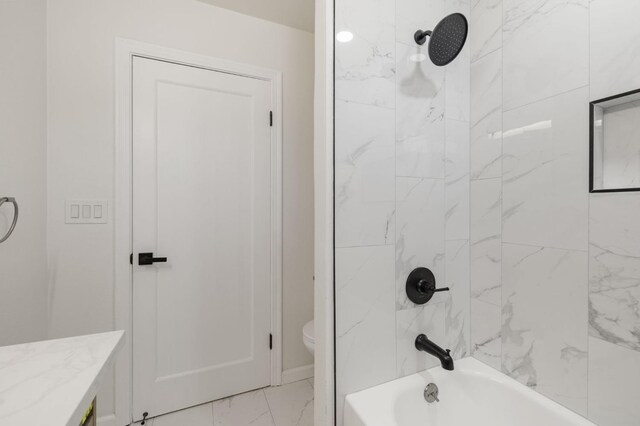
x=425, y=286
x=421, y=286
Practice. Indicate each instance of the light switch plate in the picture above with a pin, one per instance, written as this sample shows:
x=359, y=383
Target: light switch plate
x=86, y=211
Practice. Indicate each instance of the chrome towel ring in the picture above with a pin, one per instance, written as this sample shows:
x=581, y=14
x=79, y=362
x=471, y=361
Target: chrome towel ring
x=15, y=216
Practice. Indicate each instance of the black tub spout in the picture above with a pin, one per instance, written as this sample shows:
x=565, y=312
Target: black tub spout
x=424, y=344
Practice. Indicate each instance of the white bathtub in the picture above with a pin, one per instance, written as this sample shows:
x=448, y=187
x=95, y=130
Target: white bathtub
x=472, y=394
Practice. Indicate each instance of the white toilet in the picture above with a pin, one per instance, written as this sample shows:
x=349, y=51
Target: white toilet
x=309, y=336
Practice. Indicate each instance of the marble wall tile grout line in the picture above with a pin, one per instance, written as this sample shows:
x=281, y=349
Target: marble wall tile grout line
x=547, y=98
x=587, y=287
x=365, y=103
x=543, y=246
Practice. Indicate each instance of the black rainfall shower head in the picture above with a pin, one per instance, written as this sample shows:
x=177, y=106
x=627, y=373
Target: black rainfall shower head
x=446, y=40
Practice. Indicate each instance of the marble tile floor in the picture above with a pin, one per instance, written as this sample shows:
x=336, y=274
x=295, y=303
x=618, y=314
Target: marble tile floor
x=288, y=405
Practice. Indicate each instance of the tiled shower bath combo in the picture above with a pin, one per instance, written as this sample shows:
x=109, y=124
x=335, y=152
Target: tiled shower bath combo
x=479, y=171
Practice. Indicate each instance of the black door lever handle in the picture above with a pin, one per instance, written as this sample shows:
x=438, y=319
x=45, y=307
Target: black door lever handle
x=148, y=259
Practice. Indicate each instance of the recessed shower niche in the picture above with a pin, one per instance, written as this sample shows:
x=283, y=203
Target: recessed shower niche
x=615, y=143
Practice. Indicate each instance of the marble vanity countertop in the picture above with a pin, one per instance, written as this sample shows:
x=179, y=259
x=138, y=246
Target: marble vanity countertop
x=52, y=383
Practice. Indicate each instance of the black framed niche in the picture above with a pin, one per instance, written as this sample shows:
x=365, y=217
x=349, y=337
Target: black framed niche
x=614, y=143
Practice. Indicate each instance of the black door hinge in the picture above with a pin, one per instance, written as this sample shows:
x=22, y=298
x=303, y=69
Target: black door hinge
x=271, y=118
x=270, y=341
x=131, y=258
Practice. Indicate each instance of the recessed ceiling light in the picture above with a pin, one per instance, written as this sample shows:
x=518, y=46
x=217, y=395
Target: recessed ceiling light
x=417, y=57
x=344, y=36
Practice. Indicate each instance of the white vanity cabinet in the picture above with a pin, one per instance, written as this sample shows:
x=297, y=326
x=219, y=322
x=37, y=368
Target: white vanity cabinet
x=54, y=382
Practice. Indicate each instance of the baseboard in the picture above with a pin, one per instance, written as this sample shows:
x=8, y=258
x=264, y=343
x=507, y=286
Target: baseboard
x=297, y=374
x=109, y=420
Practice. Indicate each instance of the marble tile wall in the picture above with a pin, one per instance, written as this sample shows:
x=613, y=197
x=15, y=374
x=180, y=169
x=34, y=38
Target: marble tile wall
x=402, y=190
x=555, y=271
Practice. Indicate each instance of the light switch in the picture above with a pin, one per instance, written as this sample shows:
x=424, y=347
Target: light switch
x=75, y=211
x=86, y=211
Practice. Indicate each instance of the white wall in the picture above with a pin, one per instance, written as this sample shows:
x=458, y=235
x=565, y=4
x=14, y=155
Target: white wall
x=22, y=169
x=81, y=38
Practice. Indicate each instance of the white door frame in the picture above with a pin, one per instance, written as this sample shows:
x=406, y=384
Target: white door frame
x=125, y=50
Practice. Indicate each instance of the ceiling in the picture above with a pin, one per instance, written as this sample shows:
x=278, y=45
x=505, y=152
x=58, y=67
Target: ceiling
x=293, y=13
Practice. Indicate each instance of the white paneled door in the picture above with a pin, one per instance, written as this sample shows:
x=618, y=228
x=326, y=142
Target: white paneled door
x=201, y=199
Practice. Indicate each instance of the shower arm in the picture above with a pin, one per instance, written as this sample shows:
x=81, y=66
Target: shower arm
x=421, y=36
x=15, y=216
